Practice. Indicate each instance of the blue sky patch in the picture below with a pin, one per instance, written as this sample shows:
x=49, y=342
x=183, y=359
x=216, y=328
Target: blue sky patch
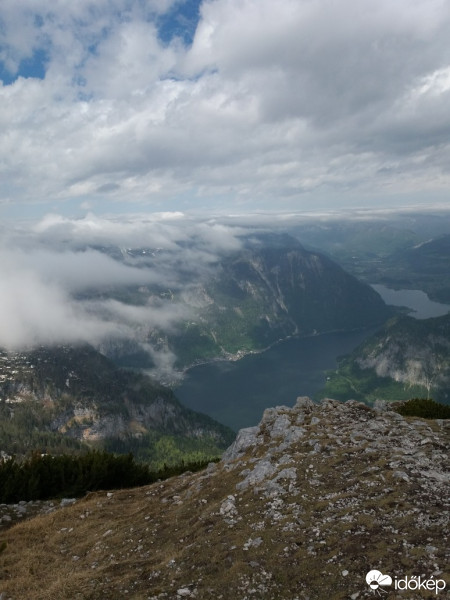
x=180, y=22
x=34, y=66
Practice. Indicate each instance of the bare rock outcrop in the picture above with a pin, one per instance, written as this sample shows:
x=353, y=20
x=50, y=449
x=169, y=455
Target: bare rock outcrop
x=301, y=507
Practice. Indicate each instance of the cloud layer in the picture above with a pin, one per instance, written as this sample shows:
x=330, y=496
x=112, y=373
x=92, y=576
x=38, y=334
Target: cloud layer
x=273, y=103
x=64, y=281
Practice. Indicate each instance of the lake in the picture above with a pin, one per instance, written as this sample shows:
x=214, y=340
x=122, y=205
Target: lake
x=236, y=393
x=416, y=300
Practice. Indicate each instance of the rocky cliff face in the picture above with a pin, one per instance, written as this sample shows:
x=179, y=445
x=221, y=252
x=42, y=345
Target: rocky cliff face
x=412, y=352
x=301, y=507
x=406, y=358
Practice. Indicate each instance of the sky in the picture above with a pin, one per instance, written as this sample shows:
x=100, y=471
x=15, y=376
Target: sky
x=222, y=106
x=173, y=124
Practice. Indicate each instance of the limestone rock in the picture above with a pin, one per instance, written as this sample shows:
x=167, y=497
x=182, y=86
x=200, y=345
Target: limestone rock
x=300, y=507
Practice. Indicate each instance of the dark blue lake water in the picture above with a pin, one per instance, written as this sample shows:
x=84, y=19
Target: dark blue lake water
x=422, y=307
x=236, y=393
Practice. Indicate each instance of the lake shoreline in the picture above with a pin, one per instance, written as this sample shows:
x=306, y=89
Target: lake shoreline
x=237, y=392
x=240, y=354
x=416, y=303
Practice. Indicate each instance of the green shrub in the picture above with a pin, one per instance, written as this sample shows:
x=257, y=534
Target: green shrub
x=423, y=407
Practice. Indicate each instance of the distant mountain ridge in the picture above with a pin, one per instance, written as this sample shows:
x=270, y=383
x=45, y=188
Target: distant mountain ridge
x=411, y=254
x=65, y=397
x=428, y=262
x=432, y=254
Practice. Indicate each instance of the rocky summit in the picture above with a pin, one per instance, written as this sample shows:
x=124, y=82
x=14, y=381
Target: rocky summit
x=303, y=506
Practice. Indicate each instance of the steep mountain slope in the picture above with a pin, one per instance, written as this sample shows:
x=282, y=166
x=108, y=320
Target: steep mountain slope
x=301, y=507
x=272, y=289
x=62, y=397
x=407, y=357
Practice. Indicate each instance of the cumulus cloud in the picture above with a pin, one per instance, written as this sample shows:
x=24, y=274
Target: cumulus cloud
x=76, y=272
x=97, y=280
x=272, y=102
x=34, y=312
x=164, y=230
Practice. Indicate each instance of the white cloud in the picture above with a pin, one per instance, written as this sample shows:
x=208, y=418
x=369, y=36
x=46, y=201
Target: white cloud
x=274, y=102
x=59, y=277
x=76, y=272
x=34, y=312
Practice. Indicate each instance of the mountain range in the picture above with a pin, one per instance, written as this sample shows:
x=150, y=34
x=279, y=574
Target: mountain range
x=65, y=398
